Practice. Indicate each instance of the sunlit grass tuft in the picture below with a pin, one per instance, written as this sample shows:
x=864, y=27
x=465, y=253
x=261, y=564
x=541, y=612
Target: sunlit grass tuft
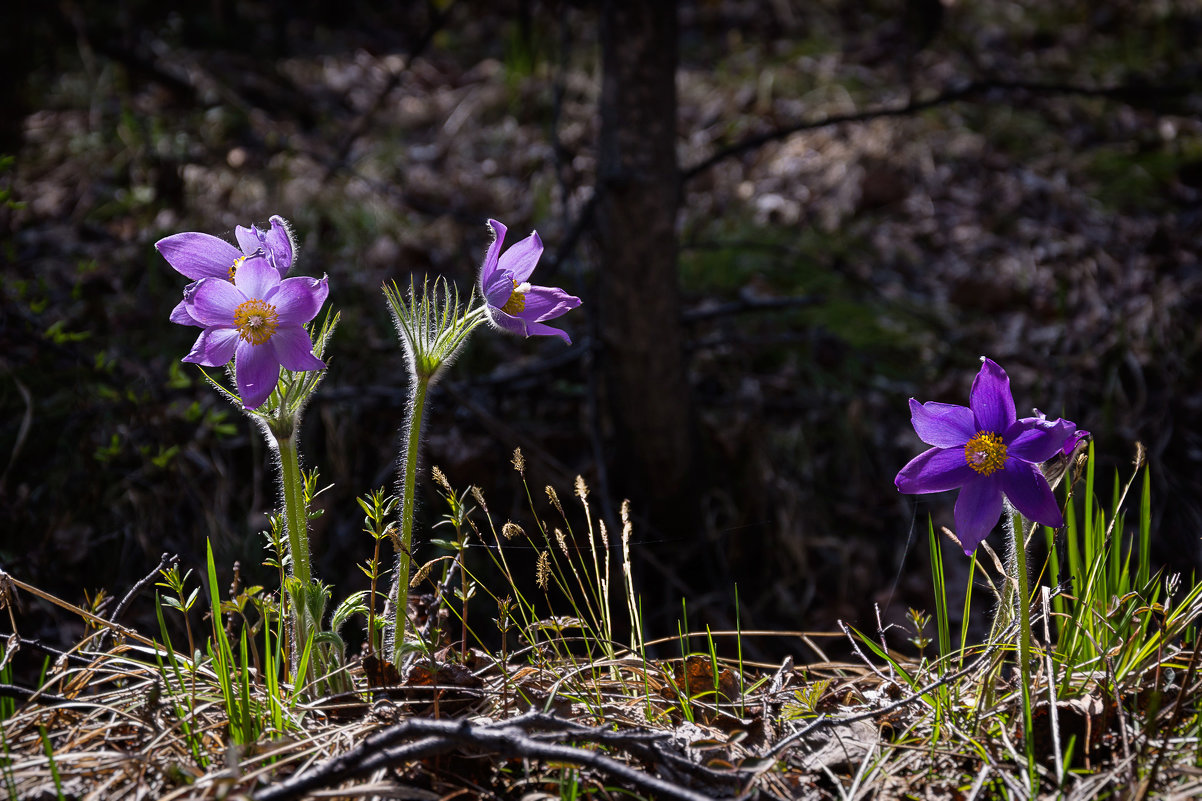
x=534, y=623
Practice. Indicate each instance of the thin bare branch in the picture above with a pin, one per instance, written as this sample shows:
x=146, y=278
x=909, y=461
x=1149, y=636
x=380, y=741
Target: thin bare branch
x=504, y=738
x=971, y=91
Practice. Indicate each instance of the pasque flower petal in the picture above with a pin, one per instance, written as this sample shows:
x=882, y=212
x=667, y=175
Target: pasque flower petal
x=198, y=256
x=257, y=370
x=540, y=329
x=279, y=244
x=943, y=425
x=934, y=470
x=488, y=271
x=294, y=349
x=520, y=260
x=513, y=325
x=249, y=239
x=298, y=300
x=978, y=509
x=274, y=242
x=256, y=277
x=547, y=302
x=1034, y=440
x=180, y=314
x=990, y=398
x=211, y=301
x=214, y=347
x=497, y=293
x=1028, y=490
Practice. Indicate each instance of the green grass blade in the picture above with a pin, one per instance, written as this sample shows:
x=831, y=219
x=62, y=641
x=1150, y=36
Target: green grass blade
x=1145, y=531
x=1087, y=521
x=49, y=750
x=972, y=571
x=222, y=654
x=937, y=579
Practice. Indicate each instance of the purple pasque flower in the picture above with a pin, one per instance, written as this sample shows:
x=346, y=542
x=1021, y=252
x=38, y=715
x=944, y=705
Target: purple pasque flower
x=258, y=321
x=987, y=453
x=195, y=255
x=511, y=301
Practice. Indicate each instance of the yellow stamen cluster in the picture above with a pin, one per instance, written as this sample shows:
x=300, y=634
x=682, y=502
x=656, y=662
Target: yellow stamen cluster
x=256, y=321
x=517, y=299
x=985, y=453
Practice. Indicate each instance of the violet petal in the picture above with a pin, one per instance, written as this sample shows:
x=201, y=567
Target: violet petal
x=990, y=398
x=944, y=425
x=1028, y=490
x=539, y=329
x=489, y=268
x=249, y=239
x=294, y=350
x=212, y=301
x=257, y=370
x=520, y=260
x=498, y=289
x=935, y=470
x=279, y=244
x=298, y=300
x=256, y=277
x=214, y=347
x=1035, y=440
x=547, y=303
x=507, y=321
x=978, y=509
x=197, y=255
x=180, y=315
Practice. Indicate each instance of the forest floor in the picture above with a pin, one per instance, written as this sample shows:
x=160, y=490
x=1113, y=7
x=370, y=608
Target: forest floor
x=1005, y=180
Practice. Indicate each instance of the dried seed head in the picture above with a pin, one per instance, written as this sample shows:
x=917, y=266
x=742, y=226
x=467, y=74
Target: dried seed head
x=421, y=574
x=394, y=536
x=511, y=530
x=604, y=536
x=626, y=548
x=553, y=496
x=542, y=571
x=440, y=479
x=563, y=543
x=519, y=461
x=479, y=496
x=581, y=488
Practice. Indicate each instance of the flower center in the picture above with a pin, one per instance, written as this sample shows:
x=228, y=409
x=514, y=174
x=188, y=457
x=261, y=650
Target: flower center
x=517, y=299
x=256, y=321
x=985, y=453
x=234, y=267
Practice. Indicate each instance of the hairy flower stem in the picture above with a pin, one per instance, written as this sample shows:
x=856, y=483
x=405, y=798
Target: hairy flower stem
x=400, y=589
x=296, y=518
x=1023, y=610
x=296, y=521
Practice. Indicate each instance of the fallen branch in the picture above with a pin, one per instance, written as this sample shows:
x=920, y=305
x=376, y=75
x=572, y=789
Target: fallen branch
x=508, y=738
x=26, y=694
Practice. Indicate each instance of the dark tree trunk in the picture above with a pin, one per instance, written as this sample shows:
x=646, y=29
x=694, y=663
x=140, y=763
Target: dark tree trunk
x=638, y=193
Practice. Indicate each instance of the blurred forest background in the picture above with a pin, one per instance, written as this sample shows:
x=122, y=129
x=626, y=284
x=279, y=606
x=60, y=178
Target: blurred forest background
x=823, y=209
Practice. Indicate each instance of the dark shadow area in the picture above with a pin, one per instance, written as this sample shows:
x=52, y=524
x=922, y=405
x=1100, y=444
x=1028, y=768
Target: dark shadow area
x=870, y=197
